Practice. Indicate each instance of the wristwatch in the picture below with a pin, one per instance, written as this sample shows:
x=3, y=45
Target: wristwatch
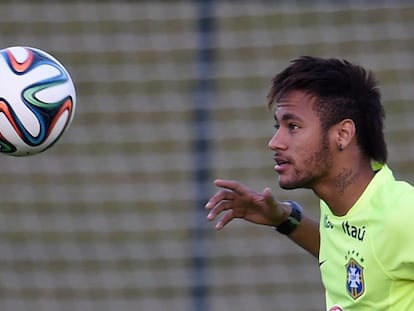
x=293, y=220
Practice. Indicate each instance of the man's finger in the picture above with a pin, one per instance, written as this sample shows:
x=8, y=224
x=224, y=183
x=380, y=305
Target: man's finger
x=218, y=208
x=225, y=220
x=223, y=195
x=231, y=185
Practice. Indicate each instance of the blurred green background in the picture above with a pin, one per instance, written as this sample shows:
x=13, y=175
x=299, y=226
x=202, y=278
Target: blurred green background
x=109, y=218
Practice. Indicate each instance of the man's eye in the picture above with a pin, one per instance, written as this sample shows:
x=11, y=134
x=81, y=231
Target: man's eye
x=277, y=126
x=293, y=126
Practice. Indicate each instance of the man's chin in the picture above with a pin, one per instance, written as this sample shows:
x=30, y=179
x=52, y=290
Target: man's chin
x=291, y=184
x=294, y=185
x=286, y=185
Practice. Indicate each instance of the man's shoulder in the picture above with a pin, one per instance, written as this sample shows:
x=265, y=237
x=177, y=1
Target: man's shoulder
x=391, y=190
x=395, y=203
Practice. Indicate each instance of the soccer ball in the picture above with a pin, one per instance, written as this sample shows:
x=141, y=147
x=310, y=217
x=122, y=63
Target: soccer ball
x=37, y=100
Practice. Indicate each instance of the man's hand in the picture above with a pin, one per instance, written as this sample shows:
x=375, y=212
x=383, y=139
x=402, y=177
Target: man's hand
x=235, y=200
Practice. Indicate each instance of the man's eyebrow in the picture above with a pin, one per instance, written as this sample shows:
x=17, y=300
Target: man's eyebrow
x=288, y=117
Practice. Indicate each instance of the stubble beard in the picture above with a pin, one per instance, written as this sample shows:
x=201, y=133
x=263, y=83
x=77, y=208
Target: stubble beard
x=315, y=167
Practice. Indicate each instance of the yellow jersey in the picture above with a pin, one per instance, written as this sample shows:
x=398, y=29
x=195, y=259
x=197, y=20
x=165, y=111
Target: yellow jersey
x=367, y=256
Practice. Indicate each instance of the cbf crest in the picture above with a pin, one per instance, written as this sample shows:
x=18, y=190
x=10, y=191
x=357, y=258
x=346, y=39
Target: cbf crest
x=355, y=283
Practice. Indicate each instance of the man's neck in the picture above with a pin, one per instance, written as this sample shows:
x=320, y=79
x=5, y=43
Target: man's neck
x=345, y=187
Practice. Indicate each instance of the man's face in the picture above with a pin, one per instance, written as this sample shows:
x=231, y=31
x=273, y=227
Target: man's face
x=302, y=152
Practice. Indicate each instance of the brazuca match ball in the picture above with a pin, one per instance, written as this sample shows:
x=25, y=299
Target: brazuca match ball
x=37, y=100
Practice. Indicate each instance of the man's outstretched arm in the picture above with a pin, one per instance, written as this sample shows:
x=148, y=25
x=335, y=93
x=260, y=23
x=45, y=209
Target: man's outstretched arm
x=235, y=200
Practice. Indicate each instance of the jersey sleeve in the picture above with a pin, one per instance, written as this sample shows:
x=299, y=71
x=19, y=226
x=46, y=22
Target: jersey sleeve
x=398, y=250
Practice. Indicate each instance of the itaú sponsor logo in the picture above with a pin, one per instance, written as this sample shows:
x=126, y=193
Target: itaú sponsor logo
x=336, y=308
x=354, y=231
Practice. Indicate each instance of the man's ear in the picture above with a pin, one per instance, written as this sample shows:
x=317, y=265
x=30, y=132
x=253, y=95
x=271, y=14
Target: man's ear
x=345, y=133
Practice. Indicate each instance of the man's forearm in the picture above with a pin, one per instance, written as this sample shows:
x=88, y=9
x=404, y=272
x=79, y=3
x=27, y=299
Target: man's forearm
x=306, y=235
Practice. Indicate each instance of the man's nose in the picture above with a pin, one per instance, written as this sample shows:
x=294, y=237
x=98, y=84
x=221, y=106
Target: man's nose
x=276, y=142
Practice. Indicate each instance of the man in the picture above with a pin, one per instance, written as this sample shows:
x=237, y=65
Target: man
x=329, y=138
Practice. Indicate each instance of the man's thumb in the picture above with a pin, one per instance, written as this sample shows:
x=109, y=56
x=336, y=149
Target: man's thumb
x=268, y=196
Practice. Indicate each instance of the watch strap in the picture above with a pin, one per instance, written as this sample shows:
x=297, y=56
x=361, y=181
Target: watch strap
x=293, y=220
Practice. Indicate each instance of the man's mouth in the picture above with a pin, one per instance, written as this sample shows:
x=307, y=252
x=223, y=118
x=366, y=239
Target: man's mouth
x=281, y=164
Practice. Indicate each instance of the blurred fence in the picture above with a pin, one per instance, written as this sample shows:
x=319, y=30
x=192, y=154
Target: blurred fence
x=109, y=218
